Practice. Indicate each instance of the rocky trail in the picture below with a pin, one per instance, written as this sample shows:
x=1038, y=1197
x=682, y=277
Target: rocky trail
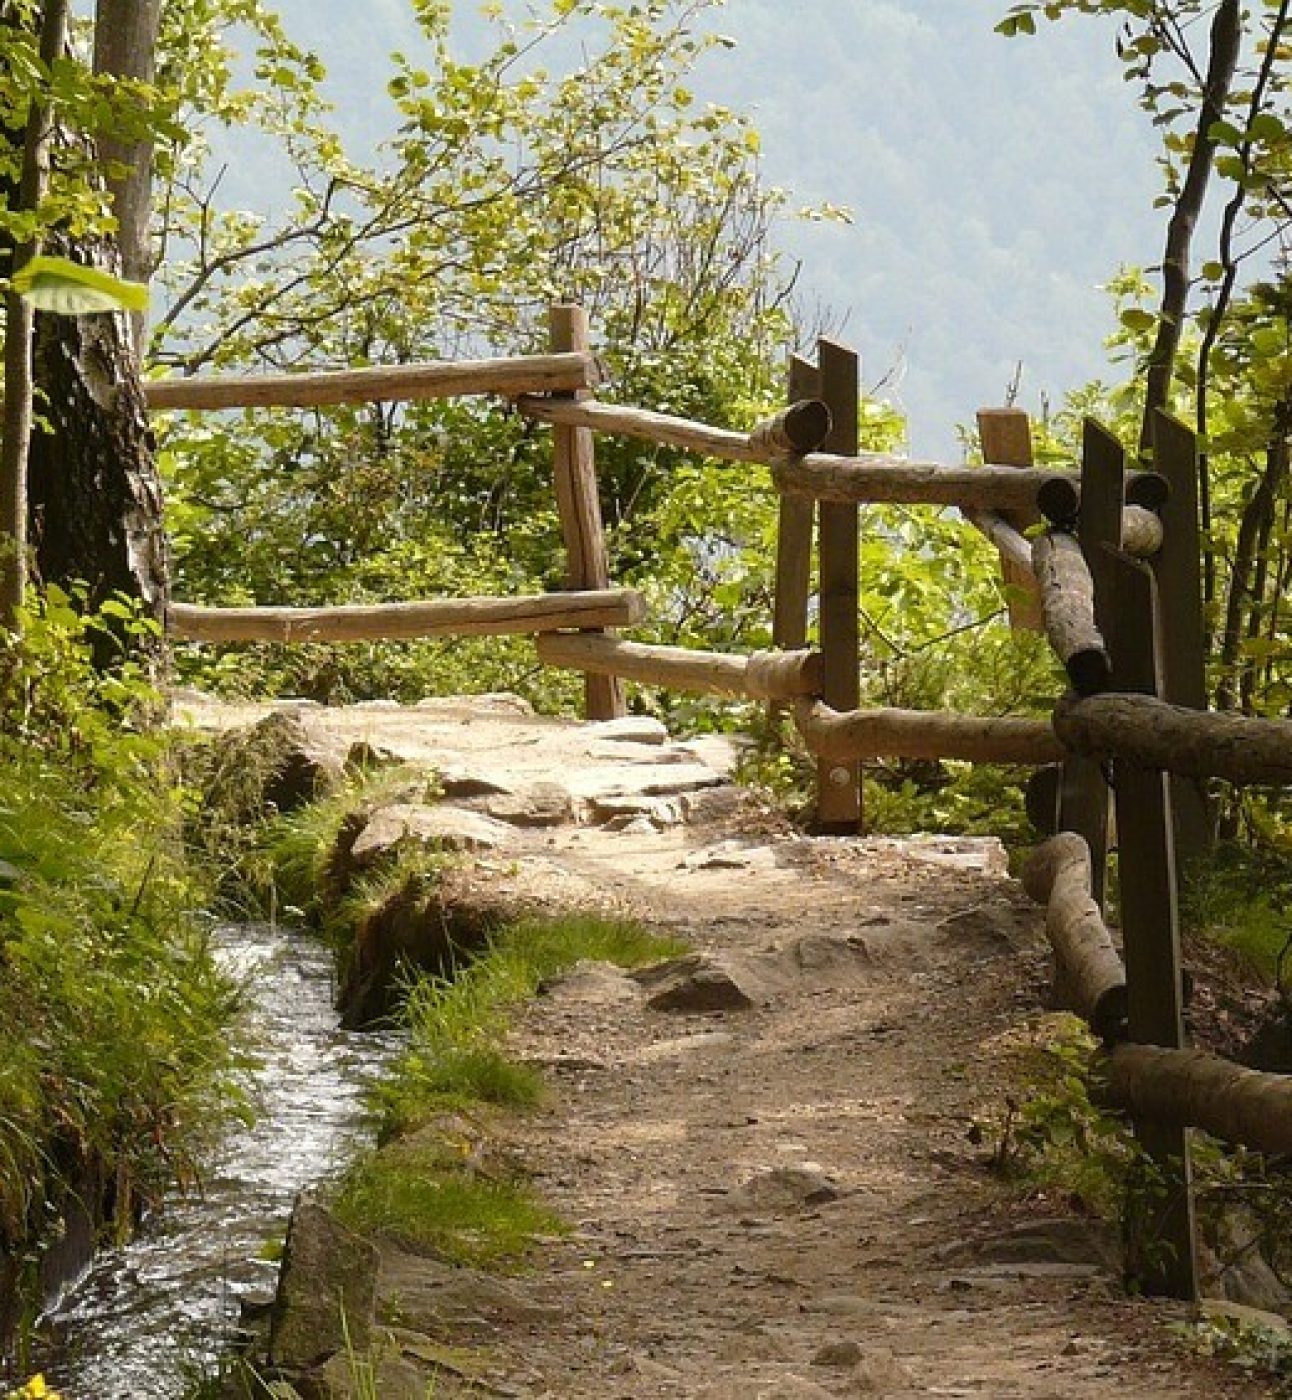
x=767, y=1150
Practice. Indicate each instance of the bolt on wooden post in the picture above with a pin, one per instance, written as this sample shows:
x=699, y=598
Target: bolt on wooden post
x=839, y=805
x=577, y=502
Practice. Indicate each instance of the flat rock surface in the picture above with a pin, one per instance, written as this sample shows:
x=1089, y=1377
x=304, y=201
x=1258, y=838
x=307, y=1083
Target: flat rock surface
x=784, y=1199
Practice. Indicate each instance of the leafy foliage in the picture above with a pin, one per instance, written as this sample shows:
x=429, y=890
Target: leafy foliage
x=114, y=1008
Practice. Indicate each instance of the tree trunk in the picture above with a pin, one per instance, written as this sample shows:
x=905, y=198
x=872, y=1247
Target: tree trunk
x=93, y=491
x=125, y=46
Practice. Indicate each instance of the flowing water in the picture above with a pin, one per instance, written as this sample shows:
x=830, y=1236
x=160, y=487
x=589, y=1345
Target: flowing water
x=150, y=1316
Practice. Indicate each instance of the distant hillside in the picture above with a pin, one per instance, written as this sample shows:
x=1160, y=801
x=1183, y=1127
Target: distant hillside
x=995, y=184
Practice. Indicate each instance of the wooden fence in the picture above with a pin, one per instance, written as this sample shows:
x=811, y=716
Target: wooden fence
x=1111, y=542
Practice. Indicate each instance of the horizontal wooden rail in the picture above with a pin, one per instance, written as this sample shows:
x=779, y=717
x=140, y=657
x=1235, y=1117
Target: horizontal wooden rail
x=1193, y=743
x=1068, y=608
x=1191, y=1089
x=1090, y=976
x=649, y=426
x=800, y=428
x=889, y=733
x=767, y=675
x=878, y=479
x=445, y=617
x=437, y=379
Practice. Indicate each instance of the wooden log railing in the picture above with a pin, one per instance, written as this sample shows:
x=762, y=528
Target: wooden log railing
x=1068, y=607
x=544, y=612
x=1175, y=739
x=765, y=675
x=438, y=379
x=894, y=733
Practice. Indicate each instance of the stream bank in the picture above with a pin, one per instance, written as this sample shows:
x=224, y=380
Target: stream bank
x=151, y=1317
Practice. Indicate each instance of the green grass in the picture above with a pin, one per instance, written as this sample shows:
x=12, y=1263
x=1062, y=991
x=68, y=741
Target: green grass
x=458, y=1025
x=421, y=1194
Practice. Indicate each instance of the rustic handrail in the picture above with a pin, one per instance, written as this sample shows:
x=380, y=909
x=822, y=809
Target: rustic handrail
x=434, y=379
x=440, y=617
x=897, y=733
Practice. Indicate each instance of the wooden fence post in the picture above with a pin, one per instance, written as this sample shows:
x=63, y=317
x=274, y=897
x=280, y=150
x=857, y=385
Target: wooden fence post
x=1178, y=567
x=1083, y=803
x=1161, y=1237
x=1005, y=435
x=794, y=536
x=577, y=502
x=839, y=806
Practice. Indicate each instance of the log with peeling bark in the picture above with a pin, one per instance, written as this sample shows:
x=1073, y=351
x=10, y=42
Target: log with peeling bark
x=798, y=429
x=436, y=379
x=1153, y=734
x=1014, y=547
x=442, y=617
x=763, y=676
x=1068, y=605
x=1189, y=1088
x=891, y=733
x=1090, y=974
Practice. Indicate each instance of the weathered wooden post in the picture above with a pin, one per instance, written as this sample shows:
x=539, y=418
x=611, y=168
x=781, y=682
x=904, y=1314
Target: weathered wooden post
x=1161, y=1237
x=1005, y=435
x=794, y=536
x=577, y=502
x=1178, y=567
x=1083, y=803
x=839, y=805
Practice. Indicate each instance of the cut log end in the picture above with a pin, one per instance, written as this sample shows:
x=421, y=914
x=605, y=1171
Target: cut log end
x=801, y=428
x=1148, y=489
x=1089, y=670
x=1059, y=500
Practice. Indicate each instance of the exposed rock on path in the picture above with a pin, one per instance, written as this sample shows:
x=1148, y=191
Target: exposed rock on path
x=764, y=1149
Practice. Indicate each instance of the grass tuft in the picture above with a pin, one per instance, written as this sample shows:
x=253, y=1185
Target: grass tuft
x=422, y=1195
x=458, y=1024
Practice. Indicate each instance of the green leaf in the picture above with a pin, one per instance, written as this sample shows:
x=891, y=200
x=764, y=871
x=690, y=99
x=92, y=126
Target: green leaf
x=1134, y=318
x=67, y=288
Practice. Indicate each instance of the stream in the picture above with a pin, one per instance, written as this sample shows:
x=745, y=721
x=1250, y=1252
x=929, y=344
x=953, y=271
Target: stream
x=151, y=1318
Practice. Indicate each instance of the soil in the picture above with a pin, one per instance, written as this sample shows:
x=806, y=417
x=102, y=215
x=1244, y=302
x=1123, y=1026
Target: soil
x=791, y=1196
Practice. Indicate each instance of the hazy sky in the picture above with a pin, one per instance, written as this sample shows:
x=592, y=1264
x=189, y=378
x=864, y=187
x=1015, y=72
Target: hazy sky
x=995, y=184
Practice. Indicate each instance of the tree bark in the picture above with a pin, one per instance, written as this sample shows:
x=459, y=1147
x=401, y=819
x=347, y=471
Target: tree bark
x=95, y=498
x=125, y=46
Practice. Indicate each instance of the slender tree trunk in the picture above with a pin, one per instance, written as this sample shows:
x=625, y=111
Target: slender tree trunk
x=95, y=498
x=19, y=338
x=1224, y=47
x=125, y=46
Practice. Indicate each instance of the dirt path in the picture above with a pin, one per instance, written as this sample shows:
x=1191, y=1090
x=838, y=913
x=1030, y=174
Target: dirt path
x=780, y=1198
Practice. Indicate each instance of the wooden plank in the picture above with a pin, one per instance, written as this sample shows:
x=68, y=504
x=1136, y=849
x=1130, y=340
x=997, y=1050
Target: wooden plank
x=794, y=537
x=1178, y=566
x=893, y=733
x=839, y=805
x=441, y=617
x=1083, y=803
x=765, y=675
x=1162, y=1234
x=578, y=503
x=436, y=379
x=1005, y=435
